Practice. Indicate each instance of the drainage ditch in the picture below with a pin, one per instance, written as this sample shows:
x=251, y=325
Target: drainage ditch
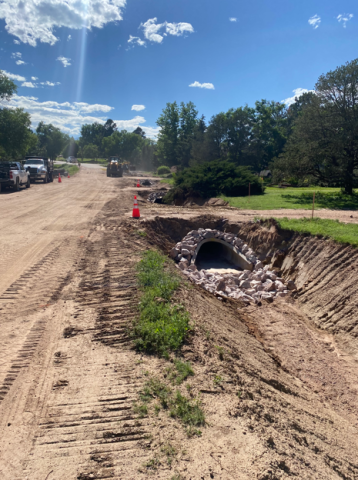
x=324, y=273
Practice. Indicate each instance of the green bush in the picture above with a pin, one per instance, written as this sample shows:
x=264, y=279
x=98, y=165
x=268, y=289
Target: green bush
x=215, y=178
x=163, y=170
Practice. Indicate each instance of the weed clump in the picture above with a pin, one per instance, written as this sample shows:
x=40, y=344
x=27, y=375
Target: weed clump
x=182, y=371
x=161, y=326
x=188, y=411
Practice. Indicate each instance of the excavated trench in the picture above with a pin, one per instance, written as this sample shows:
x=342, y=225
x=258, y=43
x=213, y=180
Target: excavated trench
x=310, y=334
x=324, y=272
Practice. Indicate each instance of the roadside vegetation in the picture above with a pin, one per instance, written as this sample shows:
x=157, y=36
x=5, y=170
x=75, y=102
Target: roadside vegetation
x=71, y=169
x=161, y=328
x=346, y=233
x=296, y=198
x=162, y=324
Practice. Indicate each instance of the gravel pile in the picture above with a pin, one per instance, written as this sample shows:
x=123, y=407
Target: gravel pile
x=248, y=286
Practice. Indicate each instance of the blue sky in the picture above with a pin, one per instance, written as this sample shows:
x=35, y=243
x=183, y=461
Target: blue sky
x=79, y=66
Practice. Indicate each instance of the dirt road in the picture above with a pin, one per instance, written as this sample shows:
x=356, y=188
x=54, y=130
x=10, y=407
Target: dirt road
x=69, y=376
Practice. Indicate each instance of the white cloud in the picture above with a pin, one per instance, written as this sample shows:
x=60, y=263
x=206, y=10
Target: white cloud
x=297, y=93
x=232, y=19
x=20, y=62
x=208, y=86
x=138, y=108
x=29, y=85
x=34, y=79
x=178, y=29
x=151, y=29
x=17, y=42
x=136, y=41
x=50, y=84
x=69, y=117
x=35, y=20
x=69, y=38
x=65, y=61
x=13, y=76
x=345, y=18
x=16, y=55
x=314, y=21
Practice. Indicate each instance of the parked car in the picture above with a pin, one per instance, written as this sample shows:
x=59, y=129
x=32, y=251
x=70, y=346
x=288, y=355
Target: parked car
x=13, y=175
x=71, y=159
x=40, y=168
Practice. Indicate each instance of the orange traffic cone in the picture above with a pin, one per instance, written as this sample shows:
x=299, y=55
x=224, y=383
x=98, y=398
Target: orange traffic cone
x=135, y=213
x=138, y=184
x=59, y=178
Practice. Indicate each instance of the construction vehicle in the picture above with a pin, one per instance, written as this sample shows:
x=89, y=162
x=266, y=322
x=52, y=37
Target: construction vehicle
x=39, y=168
x=114, y=167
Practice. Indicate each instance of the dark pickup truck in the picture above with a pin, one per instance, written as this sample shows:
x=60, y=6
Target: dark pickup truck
x=13, y=175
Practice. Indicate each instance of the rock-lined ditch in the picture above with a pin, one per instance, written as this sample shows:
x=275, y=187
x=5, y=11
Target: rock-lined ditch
x=253, y=281
x=325, y=273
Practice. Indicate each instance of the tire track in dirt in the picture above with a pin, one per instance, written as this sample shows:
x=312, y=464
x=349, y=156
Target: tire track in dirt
x=88, y=426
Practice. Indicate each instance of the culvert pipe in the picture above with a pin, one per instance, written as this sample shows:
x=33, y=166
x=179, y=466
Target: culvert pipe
x=229, y=252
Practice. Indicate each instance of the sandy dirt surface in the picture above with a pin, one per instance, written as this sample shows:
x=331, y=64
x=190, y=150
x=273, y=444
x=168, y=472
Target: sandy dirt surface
x=278, y=394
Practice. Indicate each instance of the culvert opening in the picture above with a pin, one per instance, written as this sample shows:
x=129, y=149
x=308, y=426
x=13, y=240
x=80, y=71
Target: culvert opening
x=216, y=257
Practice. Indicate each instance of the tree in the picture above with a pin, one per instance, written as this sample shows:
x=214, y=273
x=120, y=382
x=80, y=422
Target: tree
x=270, y=132
x=125, y=144
x=50, y=140
x=199, y=150
x=94, y=133
x=176, y=135
x=15, y=134
x=167, y=153
x=91, y=151
x=7, y=87
x=139, y=131
x=188, y=118
x=324, y=140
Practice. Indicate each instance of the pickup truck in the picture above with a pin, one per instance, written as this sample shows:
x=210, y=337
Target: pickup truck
x=40, y=168
x=13, y=175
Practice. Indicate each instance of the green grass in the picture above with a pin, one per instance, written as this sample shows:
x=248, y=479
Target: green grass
x=333, y=229
x=168, y=180
x=180, y=372
x=161, y=326
x=296, y=198
x=71, y=169
x=187, y=410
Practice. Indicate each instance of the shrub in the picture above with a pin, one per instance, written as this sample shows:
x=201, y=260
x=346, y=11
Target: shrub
x=163, y=170
x=212, y=179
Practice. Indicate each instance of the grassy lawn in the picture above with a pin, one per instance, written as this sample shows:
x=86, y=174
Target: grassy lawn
x=295, y=198
x=337, y=231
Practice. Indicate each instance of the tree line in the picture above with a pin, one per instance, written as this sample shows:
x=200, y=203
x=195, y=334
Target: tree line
x=314, y=140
